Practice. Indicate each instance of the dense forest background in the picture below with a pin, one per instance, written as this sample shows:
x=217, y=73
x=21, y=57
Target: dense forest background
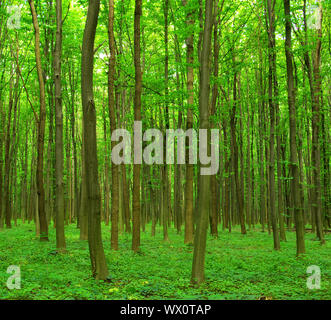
x=74, y=71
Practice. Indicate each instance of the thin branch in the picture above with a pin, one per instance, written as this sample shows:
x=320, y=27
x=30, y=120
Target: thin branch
x=66, y=14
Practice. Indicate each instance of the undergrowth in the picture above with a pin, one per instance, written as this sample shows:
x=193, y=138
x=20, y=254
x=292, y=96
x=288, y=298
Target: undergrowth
x=237, y=267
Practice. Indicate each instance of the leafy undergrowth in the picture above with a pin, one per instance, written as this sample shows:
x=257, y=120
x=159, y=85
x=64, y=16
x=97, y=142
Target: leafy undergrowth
x=237, y=267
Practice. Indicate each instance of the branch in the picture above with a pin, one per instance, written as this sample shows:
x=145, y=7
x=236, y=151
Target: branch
x=24, y=86
x=66, y=14
x=99, y=46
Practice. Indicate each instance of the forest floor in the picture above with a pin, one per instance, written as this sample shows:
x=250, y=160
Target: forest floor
x=237, y=267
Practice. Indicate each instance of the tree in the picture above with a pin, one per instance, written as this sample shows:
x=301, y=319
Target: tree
x=271, y=46
x=316, y=153
x=41, y=120
x=7, y=205
x=137, y=117
x=188, y=213
x=233, y=121
x=112, y=118
x=298, y=216
x=97, y=255
x=204, y=196
x=59, y=197
x=165, y=174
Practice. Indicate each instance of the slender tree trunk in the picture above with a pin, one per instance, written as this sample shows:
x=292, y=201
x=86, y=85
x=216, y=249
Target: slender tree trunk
x=248, y=164
x=112, y=118
x=59, y=199
x=281, y=208
x=272, y=191
x=83, y=209
x=106, y=169
x=97, y=255
x=41, y=130
x=213, y=180
x=298, y=215
x=72, y=82
x=137, y=117
x=7, y=206
x=126, y=200
x=188, y=202
x=239, y=195
x=316, y=153
x=227, y=178
x=200, y=238
x=165, y=177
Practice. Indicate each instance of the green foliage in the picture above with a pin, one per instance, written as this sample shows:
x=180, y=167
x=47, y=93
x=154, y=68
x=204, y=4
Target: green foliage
x=237, y=267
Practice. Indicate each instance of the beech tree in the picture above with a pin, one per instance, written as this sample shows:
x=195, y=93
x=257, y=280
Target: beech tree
x=92, y=206
x=188, y=209
x=137, y=117
x=59, y=206
x=112, y=118
x=298, y=215
x=204, y=196
x=41, y=120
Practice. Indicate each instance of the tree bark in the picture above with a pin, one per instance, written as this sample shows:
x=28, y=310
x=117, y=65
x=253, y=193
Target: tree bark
x=97, y=256
x=271, y=46
x=7, y=206
x=165, y=175
x=213, y=179
x=204, y=197
x=137, y=117
x=316, y=153
x=59, y=197
x=41, y=130
x=112, y=118
x=298, y=215
x=239, y=194
x=188, y=202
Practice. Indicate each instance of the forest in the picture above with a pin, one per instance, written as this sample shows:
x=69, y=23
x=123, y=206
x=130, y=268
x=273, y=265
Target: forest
x=165, y=150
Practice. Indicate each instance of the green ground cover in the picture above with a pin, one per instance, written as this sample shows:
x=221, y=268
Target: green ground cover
x=237, y=267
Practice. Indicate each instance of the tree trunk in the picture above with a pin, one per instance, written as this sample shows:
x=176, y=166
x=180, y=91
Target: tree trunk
x=204, y=197
x=298, y=215
x=239, y=194
x=72, y=82
x=213, y=180
x=41, y=131
x=83, y=209
x=188, y=202
x=316, y=153
x=165, y=176
x=97, y=256
x=59, y=198
x=7, y=206
x=112, y=118
x=272, y=191
x=137, y=117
